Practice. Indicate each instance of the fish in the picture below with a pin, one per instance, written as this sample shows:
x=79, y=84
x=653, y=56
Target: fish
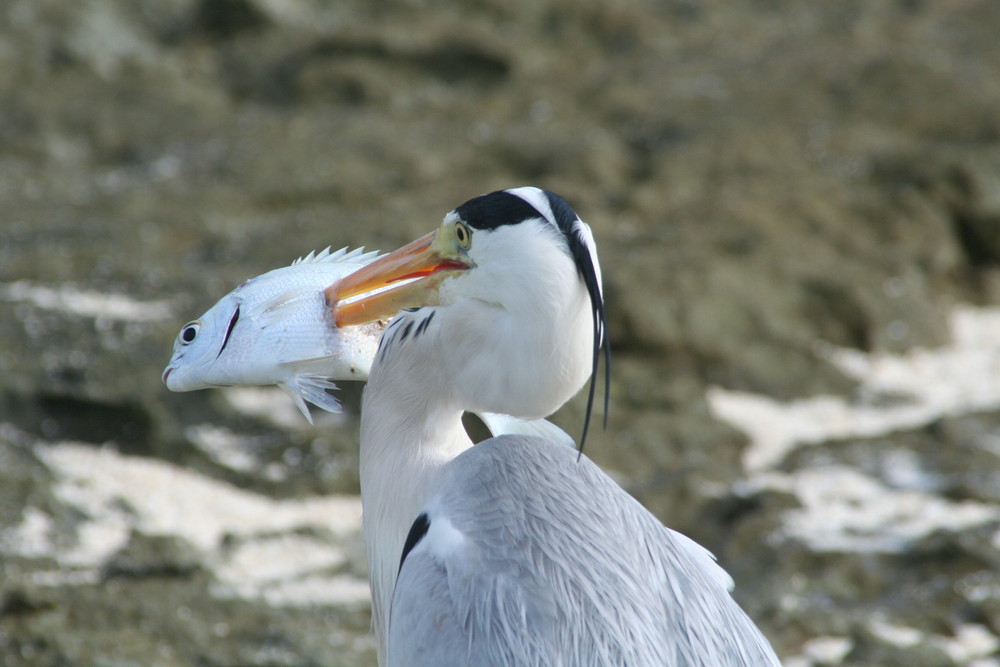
x=275, y=329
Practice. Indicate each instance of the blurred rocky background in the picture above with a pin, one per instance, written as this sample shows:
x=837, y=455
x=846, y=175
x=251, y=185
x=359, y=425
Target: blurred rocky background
x=797, y=206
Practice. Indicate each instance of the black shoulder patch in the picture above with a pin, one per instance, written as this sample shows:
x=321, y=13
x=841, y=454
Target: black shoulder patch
x=495, y=210
x=417, y=531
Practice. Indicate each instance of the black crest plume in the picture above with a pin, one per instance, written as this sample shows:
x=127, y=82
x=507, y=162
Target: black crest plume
x=572, y=227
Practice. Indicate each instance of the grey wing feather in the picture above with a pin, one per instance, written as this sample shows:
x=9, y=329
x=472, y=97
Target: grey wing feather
x=541, y=559
x=429, y=614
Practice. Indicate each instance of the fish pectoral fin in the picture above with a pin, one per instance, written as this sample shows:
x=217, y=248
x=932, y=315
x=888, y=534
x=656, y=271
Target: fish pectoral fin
x=311, y=388
x=299, y=403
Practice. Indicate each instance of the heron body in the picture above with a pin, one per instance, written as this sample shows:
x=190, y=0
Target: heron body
x=533, y=557
x=517, y=551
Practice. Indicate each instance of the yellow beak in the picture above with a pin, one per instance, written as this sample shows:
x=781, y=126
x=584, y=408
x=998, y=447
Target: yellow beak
x=420, y=263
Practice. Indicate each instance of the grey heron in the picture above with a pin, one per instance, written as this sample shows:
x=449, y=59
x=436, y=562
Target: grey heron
x=516, y=551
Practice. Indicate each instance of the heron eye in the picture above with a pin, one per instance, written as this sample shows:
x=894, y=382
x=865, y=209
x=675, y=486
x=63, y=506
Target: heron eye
x=463, y=235
x=190, y=332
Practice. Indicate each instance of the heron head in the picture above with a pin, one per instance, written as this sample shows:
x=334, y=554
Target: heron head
x=517, y=270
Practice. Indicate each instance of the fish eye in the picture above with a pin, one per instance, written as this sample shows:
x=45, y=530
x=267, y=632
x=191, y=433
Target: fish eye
x=189, y=332
x=463, y=235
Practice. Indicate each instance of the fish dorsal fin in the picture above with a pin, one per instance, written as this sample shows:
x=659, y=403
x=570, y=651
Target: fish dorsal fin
x=358, y=255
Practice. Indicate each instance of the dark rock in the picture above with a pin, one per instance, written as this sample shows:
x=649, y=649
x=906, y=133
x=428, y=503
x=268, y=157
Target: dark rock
x=153, y=556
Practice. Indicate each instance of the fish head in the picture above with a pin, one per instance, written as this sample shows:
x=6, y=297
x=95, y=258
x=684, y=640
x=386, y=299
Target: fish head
x=199, y=346
x=272, y=329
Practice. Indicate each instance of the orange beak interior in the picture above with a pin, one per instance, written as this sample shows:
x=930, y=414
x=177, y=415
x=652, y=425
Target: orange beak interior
x=405, y=278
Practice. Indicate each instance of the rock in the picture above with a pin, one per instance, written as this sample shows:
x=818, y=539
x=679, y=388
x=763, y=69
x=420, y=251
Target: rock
x=764, y=181
x=153, y=556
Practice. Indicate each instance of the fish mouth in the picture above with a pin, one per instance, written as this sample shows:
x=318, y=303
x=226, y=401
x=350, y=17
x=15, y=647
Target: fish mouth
x=166, y=374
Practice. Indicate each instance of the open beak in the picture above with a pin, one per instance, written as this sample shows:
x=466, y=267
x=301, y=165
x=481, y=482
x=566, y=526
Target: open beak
x=405, y=278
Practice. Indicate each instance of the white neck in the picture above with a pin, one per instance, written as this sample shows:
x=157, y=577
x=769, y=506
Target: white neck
x=521, y=347
x=409, y=432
